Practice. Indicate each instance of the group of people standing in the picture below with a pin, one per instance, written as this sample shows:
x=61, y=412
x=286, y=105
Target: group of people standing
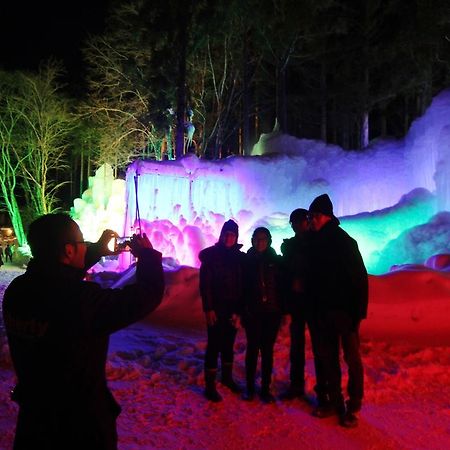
x=319, y=282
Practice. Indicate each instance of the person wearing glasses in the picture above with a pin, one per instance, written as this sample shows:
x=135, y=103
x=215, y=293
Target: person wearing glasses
x=58, y=328
x=337, y=284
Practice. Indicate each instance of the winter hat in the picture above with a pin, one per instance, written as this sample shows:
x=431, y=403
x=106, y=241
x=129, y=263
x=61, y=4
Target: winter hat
x=322, y=204
x=230, y=225
x=298, y=215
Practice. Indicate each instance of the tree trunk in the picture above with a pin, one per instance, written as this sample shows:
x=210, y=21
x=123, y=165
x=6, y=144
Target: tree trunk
x=169, y=143
x=256, y=123
x=383, y=124
x=16, y=221
x=246, y=101
x=183, y=13
x=346, y=132
x=364, y=131
x=406, y=116
x=334, y=126
x=323, y=103
x=218, y=143
x=281, y=100
x=427, y=88
x=81, y=173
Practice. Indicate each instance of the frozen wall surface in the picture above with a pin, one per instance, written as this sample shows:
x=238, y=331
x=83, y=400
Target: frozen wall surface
x=382, y=191
x=102, y=205
x=381, y=194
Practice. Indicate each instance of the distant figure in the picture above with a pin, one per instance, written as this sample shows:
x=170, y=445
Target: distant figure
x=189, y=128
x=8, y=253
x=1, y=257
x=337, y=283
x=58, y=328
x=221, y=289
x=264, y=306
x=295, y=263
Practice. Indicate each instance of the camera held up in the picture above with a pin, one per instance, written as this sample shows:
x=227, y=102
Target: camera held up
x=122, y=244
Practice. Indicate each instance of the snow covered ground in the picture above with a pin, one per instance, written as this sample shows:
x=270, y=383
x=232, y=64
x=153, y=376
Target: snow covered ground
x=155, y=371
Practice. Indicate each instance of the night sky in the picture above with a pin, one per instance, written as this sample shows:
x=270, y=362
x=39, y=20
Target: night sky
x=32, y=32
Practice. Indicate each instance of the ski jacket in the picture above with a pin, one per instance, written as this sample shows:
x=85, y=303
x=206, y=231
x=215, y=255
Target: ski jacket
x=336, y=277
x=221, y=279
x=295, y=264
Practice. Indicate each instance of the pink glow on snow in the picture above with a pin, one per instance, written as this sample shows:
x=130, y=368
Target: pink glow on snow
x=155, y=370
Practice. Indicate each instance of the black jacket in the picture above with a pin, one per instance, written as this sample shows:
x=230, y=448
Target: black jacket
x=295, y=264
x=221, y=279
x=264, y=291
x=58, y=328
x=336, y=276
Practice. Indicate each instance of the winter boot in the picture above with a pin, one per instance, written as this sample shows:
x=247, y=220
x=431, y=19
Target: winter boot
x=349, y=420
x=210, y=386
x=331, y=407
x=227, y=379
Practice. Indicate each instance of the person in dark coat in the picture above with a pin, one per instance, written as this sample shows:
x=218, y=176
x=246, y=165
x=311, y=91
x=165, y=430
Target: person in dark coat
x=295, y=262
x=337, y=283
x=8, y=253
x=58, y=328
x=221, y=290
x=263, y=309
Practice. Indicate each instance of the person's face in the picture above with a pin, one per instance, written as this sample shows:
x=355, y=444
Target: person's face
x=318, y=220
x=229, y=239
x=260, y=242
x=300, y=226
x=75, y=249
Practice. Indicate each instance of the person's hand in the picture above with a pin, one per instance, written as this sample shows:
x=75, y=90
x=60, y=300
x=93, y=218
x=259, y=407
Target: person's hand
x=103, y=242
x=138, y=243
x=211, y=318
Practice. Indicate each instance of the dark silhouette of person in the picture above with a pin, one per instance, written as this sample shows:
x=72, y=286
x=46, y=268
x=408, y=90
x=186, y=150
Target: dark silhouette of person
x=337, y=283
x=58, y=328
x=295, y=262
x=263, y=310
x=8, y=253
x=221, y=290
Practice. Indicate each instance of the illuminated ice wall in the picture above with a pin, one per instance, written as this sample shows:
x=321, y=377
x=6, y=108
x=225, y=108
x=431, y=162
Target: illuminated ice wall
x=381, y=194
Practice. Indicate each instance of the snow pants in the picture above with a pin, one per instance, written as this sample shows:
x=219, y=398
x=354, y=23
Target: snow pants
x=261, y=331
x=221, y=337
x=337, y=329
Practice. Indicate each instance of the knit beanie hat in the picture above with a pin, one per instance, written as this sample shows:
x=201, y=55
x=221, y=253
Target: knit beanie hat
x=322, y=204
x=230, y=225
